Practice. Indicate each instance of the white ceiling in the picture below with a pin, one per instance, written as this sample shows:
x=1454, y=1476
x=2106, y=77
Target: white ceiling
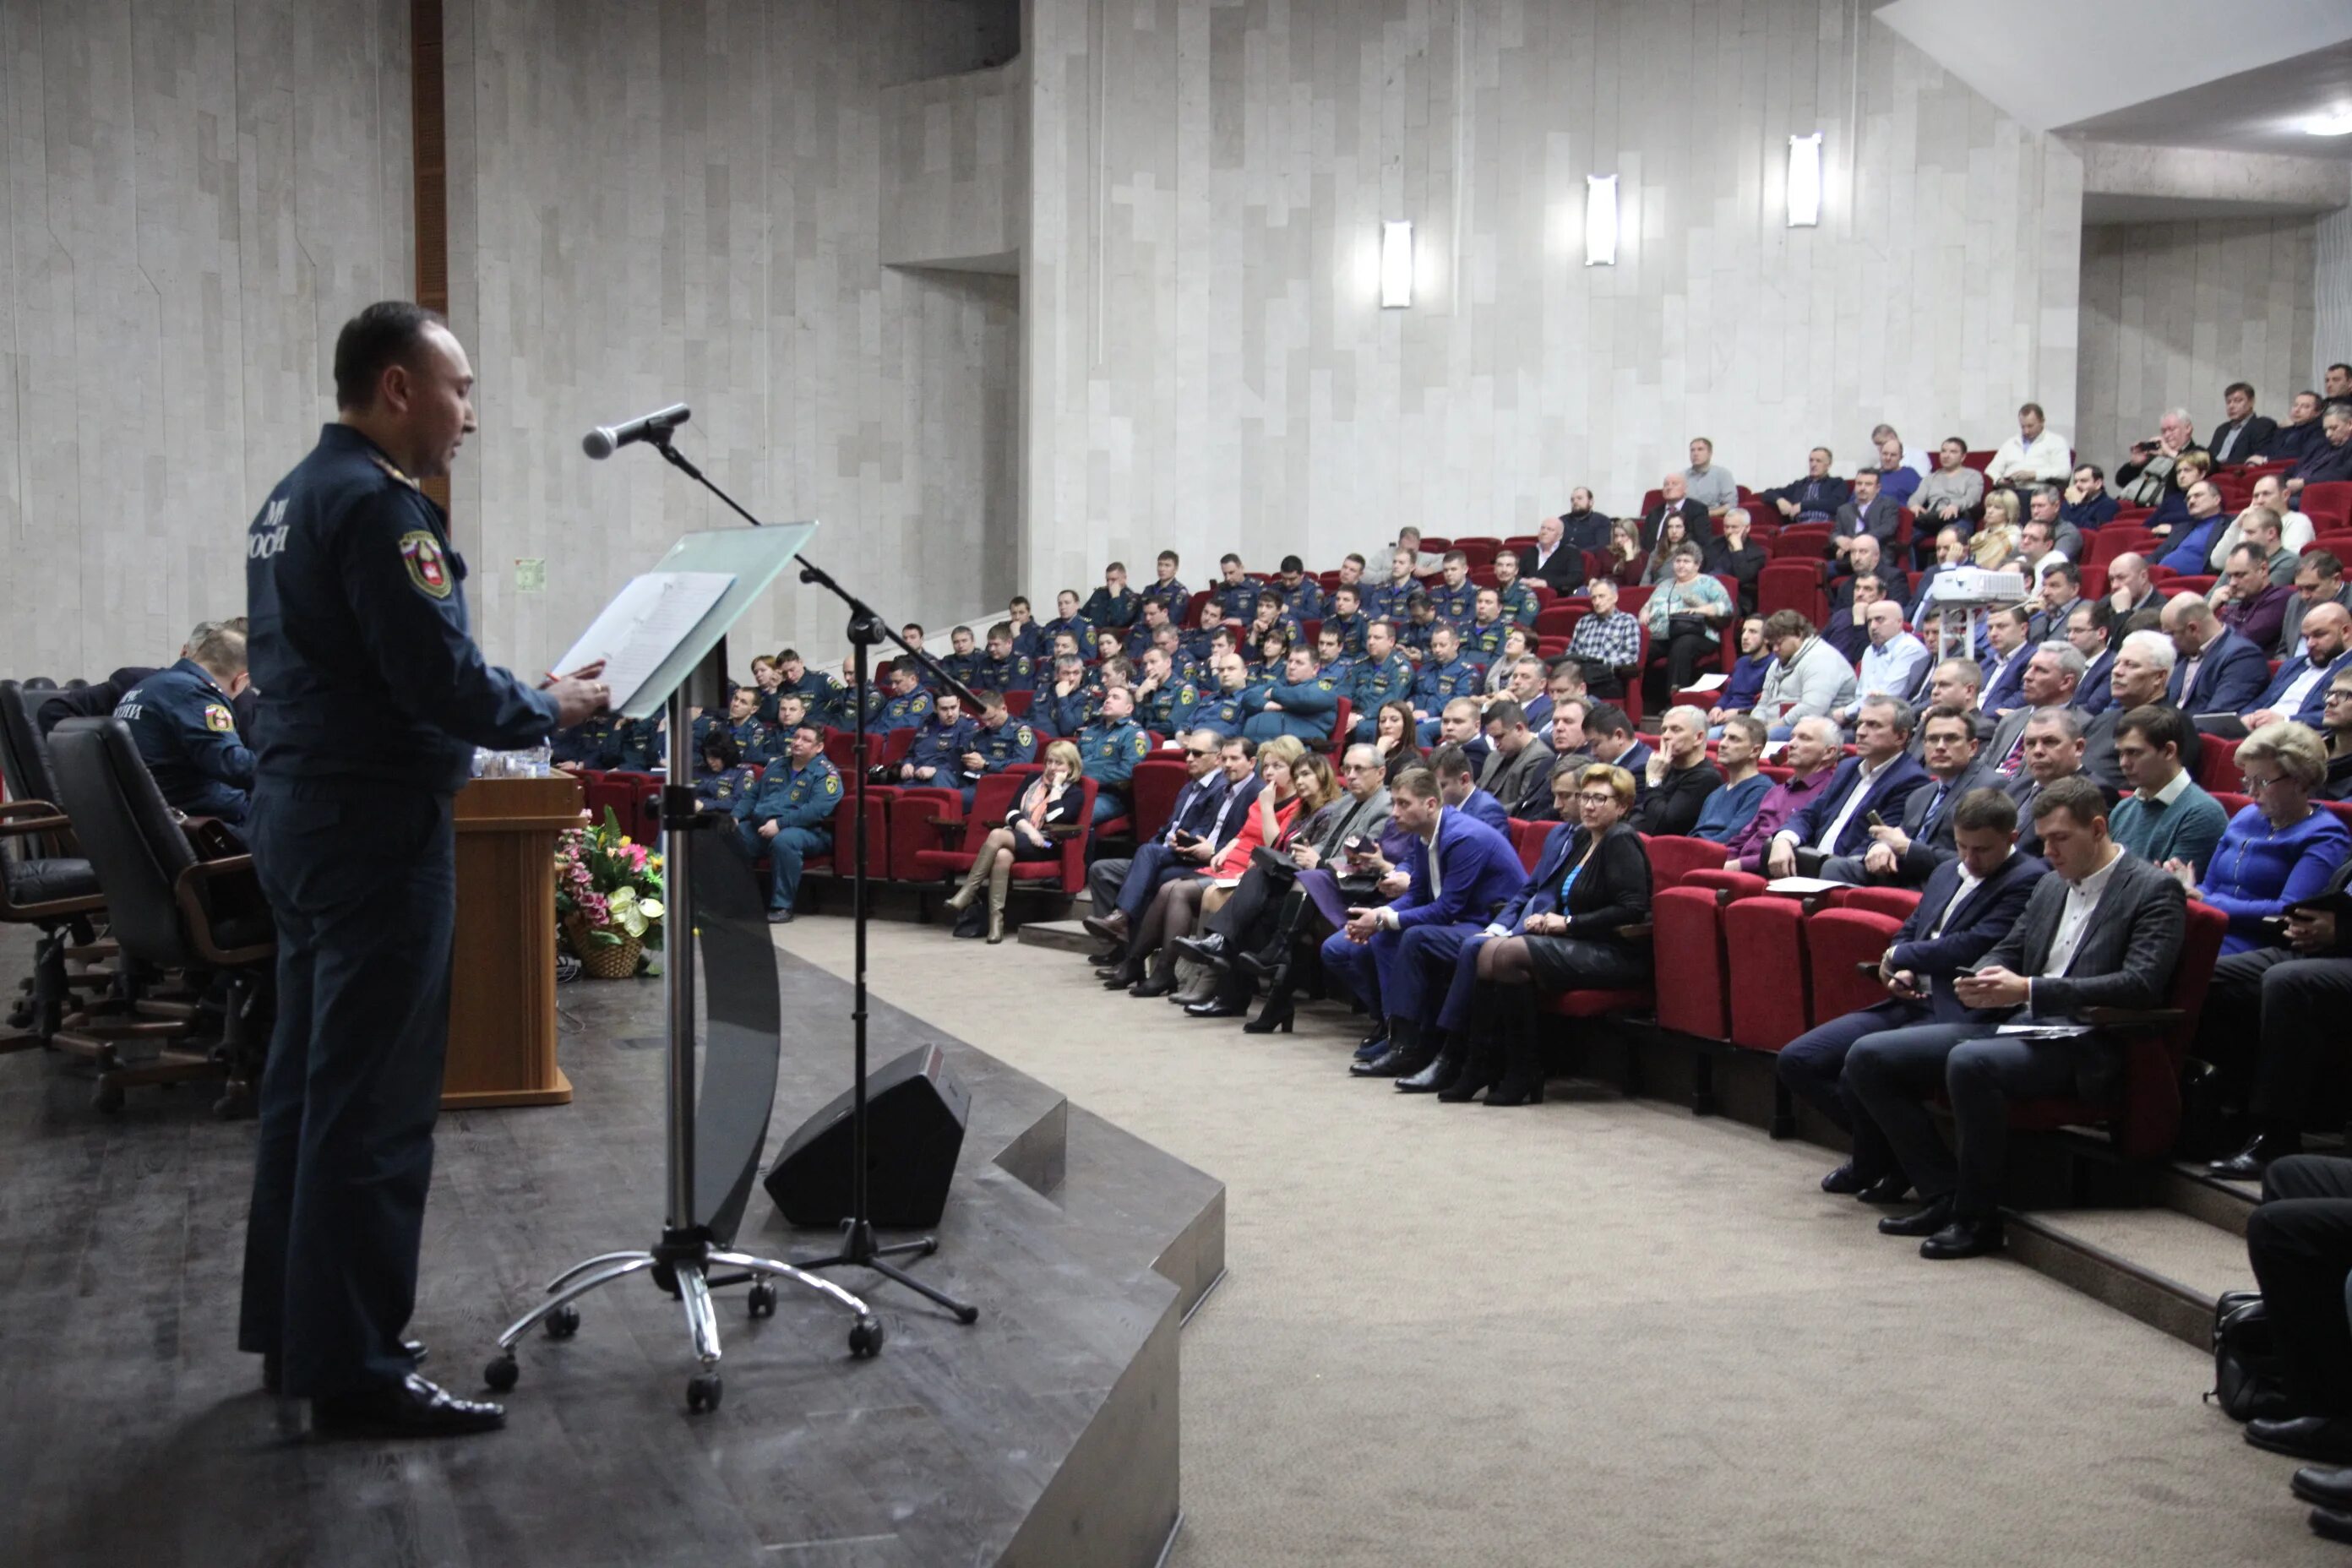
x=2183, y=73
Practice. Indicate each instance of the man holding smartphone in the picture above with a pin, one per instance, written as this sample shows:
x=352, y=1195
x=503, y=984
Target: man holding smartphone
x=1210, y=809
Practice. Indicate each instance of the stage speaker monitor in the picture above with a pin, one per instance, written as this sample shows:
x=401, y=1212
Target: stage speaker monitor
x=916, y=1112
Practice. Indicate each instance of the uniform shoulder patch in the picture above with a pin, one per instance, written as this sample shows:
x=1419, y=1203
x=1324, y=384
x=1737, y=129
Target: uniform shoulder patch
x=218, y=719
x=1327, y=683
x=1026, y=736
x=832, y=784
x=385, y=463
x=429, y=568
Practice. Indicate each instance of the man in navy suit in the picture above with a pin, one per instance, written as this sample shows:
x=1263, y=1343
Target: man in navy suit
x=2004, y=670
x=1969, y=904
x=2086, y=628
x=1209, y=811
x=2299, y=691
x=1879, y=779
x=2217, y=671
x=1458, y=872
x=2244, y=432
x=1905, y=854
x=1457, y=788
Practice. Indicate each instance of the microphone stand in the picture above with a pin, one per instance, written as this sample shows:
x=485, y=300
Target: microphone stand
x=859, y=1248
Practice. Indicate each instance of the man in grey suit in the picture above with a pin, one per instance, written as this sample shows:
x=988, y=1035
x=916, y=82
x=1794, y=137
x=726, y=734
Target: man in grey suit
x=2104, y=930
x=1905, y=855
x=1518, y=766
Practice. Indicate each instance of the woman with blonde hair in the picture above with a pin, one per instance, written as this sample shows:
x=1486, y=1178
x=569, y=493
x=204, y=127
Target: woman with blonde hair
x=2278, y=851
x=1051, y=801
x=1996, y=540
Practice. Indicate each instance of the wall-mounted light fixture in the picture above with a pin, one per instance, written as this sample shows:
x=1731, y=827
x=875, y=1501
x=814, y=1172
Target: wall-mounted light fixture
x=1805, y=180
x=1396, y=265
x=1600, y=220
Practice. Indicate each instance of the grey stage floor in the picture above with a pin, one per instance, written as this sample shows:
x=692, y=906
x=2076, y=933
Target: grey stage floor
x=135, y=1433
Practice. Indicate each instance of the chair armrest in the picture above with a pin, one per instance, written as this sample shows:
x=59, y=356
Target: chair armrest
x=20, y=818
x=2131, y=1020
x=1063, y=832
x=1640, y=931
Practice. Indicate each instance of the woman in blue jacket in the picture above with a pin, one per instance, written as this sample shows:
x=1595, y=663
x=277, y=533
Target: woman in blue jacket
x=2281, y=849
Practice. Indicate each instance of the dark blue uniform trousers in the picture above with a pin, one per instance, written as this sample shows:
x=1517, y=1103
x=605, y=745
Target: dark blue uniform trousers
x=1814, y=1067
x=786, y=852
x=362, y=881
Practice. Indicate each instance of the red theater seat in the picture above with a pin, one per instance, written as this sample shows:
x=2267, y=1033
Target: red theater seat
x=1771, y=995
x=1694, y=983
x=1837, y=940
x=1673, y=857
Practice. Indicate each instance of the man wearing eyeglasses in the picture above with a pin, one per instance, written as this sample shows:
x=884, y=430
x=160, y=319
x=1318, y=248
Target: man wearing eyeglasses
x=2336, y=729
x=1204, y=816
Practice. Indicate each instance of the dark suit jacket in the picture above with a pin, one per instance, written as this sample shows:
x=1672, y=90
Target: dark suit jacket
x=2256, y=431
x=1612, y=891
x=1897, y=581
x=1880, y=520
x=2095, y=694
x=1196, y=805
x=2125, y=959
x=1983, y=919
x=2006, y=689
x=1700, y=526
x=1563, y=574
x=1480, y=869
x=1931, y=841
x=2232, y=675
x=1809, y=495
x=1887, y=796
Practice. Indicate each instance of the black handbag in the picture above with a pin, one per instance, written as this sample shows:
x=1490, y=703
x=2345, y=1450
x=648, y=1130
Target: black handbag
x=1274, y=863
x=2249, y=1379
x=1686, y=625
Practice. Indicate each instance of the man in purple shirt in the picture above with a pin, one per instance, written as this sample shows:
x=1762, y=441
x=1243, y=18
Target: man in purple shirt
x=1814, y=748
x=2248, y=602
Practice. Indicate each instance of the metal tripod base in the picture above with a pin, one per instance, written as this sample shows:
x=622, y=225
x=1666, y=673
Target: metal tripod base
x=860, y=1251
x=685, y=1269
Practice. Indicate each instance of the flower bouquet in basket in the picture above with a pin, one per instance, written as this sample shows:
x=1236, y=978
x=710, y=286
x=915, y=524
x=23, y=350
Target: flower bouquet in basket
x=608, y=897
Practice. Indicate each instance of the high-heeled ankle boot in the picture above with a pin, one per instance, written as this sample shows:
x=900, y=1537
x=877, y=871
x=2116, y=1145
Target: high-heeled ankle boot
x=1482, y=1055
x=1000, y=887
x=1523, y=1076
x=973, y=879
x=1279, y=1011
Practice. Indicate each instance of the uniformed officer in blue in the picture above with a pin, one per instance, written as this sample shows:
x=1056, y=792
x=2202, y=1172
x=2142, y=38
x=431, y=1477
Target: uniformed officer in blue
x=1227, y=711
x=372, y=697
x=909, y=704
x=1382, y=675
x=1000, y=742
x=1142, y=638
x=721, y=776
x=1302, y=597
x=789, y=816
x=1114, y=605
x=1066, y=619
x=1482, y=640
x=1164, y=699
x=941, y=740
x=962, y=661
x=1166, y=588
x=1519, y=601
x=1235, y=595
x=1006, y=668
x=1350, y=622
x=1061, y=709
x=1301, y=703
x=822, y=690
x=1109, y=749
x=1444, y=676
x=1453, y=597
x=186, y=729
x=1029, y=638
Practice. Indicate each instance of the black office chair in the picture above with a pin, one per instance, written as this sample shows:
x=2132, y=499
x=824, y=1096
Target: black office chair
x=171, y=914
x=44, y=880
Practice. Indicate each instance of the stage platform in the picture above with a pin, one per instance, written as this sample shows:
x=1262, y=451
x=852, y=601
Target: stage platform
x=1045, y=1434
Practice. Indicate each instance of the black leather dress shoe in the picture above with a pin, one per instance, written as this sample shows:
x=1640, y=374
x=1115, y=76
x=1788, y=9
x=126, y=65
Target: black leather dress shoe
x=2325, y=1485
x=1258, y=966
x=2249, y=1163
x=1147, y=986
x=2332, y=1524
x=1210, y=949
x=2326, y=1438
x=1843, y=1180
x=1965, y=1238
x=1111, y=928
x=1217, y=1007
x=412, y=1407
x=1108, y=958
x=1122, y=977
x=1886, y=1190
x=1926, y=1222
x=1371, y=1047
x=271, y=1379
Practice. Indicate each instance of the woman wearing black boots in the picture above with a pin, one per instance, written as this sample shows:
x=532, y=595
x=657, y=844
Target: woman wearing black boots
x=1582, y=924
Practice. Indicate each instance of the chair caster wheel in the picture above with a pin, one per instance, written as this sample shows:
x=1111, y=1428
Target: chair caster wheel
x=762, y=1300
x=563, y=1324
x=866, y=1337
x=702, y=1393
x=503, y=1374
x=107, y=1097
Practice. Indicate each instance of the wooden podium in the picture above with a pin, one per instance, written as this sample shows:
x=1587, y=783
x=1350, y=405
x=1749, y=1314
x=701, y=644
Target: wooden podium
x=503, y=972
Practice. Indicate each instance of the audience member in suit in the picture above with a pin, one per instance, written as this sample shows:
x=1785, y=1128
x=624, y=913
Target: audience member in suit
x=2088, y=625
x=2053, y=752
x=2278, y=851
x=1952, y=683
x=2087, y=505
x=1679, y=776
x=2004, y=670
x=2188, y=519
x=1207, y=813
x=2218, y=670
x=2243, y=432
x=1675, y=502
x=2299, y=690
x=1518, y=774
x=1584, y=924
x=1864, y=557
x=1881, y=777
x=1848, y=630
x=1456, y=768
x=1972, y=898
x=2138, y=677
x=2249, y=603
x=2329, y=459
x=2167, y=817
x=2130, y=590
x=2054, y=673
x=1815, y=497
x=1734, y=557
x=2299, y=993
x=1812, y=759
x=2104, y=932
x=2298, y=435
x=2175, y=435
x=1610, y=737
x=1458, y=872
x=1868, y=515
x=1905, y=854
x=1581, y=526
x=2318, y=580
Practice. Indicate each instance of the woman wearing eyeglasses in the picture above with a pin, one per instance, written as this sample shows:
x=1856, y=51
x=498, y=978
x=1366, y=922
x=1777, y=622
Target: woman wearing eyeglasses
x=1581, y=922
x=2281, y=849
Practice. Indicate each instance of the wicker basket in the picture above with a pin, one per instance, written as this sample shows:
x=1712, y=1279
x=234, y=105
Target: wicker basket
x=599, y=960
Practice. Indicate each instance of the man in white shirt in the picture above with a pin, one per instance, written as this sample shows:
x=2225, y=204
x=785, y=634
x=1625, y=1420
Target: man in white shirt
x=2294, y=528
x=1894, y=663
x=2035, y=453
x=2104, y=932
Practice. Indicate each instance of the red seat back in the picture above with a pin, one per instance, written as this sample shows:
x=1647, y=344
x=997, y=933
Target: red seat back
x=1693, y=986
x=2217, y=763
x=1835, y=940
x=1771, y=1002
x=1673, y=857
x=1158, y=782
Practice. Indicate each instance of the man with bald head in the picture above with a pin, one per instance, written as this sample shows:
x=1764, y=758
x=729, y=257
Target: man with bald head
x=1674, y=499
x=2299, y=691
x=2129, y=588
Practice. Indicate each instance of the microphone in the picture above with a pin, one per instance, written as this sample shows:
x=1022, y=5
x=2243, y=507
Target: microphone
x=607, y=439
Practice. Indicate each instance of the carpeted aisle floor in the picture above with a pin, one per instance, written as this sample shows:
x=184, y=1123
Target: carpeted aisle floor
x=1596, y=1331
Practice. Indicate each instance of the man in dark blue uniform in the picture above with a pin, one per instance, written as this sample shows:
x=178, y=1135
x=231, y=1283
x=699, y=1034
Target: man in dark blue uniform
x=788, y=815
x=1006, y=668
x=1060, y=708
x=1165, y=588
x=936, y=757
x=1350, y=622
x=962, y=661
x=909, y=707
x=373, y=696
x=1302, y=597
x=1109, y=749
x=1112, y=606
x=827, y=698
x=1029, y=639
x=1067, y=619
x=186, y=729
x=1235, y=595
x=1001, y=742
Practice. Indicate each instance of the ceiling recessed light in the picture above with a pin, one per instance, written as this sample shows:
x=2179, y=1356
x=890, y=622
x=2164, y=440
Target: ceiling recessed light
x=2338, y=123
